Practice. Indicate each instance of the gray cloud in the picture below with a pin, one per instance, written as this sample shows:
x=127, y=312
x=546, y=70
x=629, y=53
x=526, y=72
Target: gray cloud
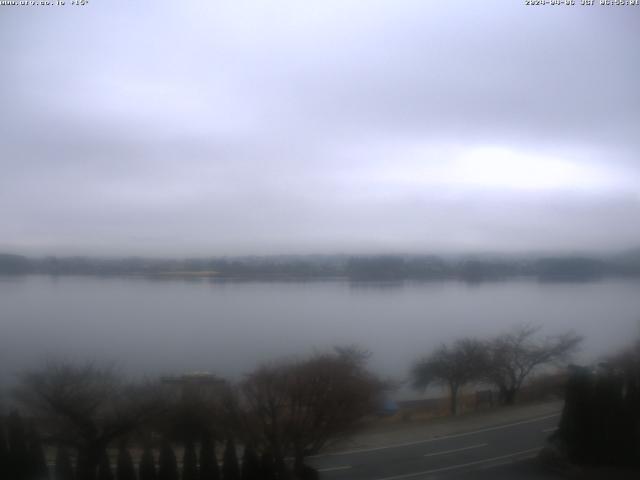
x=250, y=127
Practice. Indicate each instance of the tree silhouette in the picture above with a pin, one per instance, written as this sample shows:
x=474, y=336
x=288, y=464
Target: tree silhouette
x=250, y=464
x=125, y=469
x=230, y=470
x=267, y=466
x=454, y=366
x=19, y=460
x=189, y=462
x=208, y=462
x=4, y=452
x=301, y=406
x=601, y=415
x=167, y=463
x=104, y=467
x=88, y=407
x=514, y=355
x=147, y=466
x=37, y=461
x=63, y=469
x=87, y=464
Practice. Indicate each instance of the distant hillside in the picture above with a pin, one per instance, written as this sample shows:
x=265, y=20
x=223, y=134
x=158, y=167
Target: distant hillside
x=14, y=264
x=358, y=268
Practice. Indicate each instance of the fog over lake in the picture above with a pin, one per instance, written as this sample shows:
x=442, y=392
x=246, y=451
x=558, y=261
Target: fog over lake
x=297, y=136
x=152, y=327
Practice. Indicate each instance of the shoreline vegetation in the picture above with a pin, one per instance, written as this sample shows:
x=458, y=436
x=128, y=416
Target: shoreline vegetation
x=469, y=268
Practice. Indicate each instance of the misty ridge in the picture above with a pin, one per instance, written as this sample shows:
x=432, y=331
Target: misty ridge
x=469, y=268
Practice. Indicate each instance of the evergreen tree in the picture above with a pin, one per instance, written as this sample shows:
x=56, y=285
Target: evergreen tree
x=189, y=462
x=267, y=466
x=4, y=452
x=250, y=464
x=19, y=467
x=37, y=460
x=86, y=466
x=125, y=469
x=208, y=460
x=167, y=464
x=147, y=467
x=104, y=467
x=63, y=469
x=230, y=470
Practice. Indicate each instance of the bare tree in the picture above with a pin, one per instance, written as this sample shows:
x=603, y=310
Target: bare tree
x=87, y=407
x=515, y=355
x=195, y=409
x=453, y=366
x=299, y=407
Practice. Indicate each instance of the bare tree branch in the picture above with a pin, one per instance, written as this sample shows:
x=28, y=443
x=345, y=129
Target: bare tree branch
x=515, y=355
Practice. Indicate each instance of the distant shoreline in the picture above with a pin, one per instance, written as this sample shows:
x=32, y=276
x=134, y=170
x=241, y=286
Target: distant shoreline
x=386, y=268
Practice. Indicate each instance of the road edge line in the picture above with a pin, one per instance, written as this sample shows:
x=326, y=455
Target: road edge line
x=435, y=439
x=461, y=465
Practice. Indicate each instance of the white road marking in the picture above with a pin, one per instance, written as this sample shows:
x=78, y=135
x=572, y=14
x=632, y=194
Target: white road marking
x=444, y=452
x=461, y=465
x=333, y=469
x=435, y=439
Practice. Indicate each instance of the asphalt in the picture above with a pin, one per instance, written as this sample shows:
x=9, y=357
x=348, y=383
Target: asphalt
x=501, y=450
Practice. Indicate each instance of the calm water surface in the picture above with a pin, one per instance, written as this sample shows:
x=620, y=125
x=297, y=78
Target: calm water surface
x=152, y=327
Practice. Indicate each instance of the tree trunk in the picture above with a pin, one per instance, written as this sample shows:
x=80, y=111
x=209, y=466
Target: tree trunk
x=507, y=395
x=510, y=396
x=454, y=399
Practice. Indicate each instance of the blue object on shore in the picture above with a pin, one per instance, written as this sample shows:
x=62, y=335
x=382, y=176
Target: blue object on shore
x=389, y=407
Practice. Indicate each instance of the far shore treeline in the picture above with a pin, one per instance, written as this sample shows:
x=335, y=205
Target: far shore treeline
x=471, y=268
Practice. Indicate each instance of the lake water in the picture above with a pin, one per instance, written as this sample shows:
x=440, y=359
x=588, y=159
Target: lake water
x=172, y=326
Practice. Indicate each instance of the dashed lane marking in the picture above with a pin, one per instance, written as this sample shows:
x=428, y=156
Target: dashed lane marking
x=462, y=449
x=333, y=469
x=462, y=465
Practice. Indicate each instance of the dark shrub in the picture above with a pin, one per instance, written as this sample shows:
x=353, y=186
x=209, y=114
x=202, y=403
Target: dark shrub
x=167, y=463
x=208, y=461
x=267, y=466
x=189, y=462
x=37, y=460
x=104, y=467
x=147, y=467
x=125, y=469
x=4, y=452
x=230, y=470
x=250, y=464
x=19, y=461
x=63, y=469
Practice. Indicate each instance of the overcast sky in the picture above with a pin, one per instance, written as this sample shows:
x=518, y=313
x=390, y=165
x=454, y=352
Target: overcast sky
x=217, y=128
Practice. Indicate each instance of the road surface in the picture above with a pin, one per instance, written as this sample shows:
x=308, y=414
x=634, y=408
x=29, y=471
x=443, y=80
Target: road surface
x=500, y=451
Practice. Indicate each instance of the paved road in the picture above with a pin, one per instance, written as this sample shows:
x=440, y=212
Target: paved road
x=499, y=452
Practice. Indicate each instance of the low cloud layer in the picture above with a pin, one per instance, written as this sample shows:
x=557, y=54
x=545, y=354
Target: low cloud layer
x=213, y=128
